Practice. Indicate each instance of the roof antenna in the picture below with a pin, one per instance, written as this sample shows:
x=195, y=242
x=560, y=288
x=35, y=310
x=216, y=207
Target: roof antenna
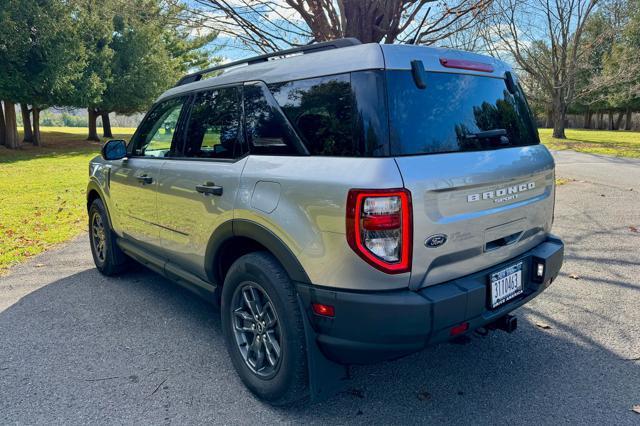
x=415, y=39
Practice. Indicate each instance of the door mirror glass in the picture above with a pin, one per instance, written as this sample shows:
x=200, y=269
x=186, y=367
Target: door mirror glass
x=115, y=149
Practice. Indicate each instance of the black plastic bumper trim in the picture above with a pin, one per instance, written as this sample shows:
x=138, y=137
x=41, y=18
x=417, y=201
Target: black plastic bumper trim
x=378, y=325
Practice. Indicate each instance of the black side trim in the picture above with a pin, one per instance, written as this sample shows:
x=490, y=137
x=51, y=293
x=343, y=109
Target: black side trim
x=276, y=246
x=260, y=234
x=167, y=269
x=93, y=186
x=221, y=235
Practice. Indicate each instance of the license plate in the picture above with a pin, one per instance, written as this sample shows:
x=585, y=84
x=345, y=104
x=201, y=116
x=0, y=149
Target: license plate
x=506, y=284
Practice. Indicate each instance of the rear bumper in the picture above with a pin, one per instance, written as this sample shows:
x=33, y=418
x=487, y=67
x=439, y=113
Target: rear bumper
x=373, y=326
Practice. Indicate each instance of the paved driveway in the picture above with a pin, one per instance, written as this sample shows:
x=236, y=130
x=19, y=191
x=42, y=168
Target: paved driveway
x=76, y=347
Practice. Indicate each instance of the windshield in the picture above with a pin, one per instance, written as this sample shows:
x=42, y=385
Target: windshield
x=455, y=113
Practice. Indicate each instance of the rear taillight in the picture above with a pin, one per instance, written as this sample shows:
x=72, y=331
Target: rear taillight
x=379, y=227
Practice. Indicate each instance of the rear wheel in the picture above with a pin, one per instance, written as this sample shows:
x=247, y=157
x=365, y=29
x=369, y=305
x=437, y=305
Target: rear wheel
x=107, y=256
x=263, y=328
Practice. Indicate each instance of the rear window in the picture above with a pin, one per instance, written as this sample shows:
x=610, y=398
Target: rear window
x=455, y=113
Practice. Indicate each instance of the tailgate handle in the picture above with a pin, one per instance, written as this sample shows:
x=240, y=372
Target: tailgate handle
x=503, y=241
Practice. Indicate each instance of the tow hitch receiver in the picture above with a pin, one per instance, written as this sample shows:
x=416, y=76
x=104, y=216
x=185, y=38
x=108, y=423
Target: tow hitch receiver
x=507, y=323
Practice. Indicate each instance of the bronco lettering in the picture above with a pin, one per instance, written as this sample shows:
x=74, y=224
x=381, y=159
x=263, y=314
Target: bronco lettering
x=498, y=195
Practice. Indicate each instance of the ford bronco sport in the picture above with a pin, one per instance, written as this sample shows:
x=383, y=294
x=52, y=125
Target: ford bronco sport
x=342, y=202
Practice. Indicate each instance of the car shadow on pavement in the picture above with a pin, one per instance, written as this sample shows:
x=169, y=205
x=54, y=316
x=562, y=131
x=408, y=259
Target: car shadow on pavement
x=138, y=348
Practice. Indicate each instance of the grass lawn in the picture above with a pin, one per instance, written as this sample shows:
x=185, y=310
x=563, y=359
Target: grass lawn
x=618, y=143
x=42, y=192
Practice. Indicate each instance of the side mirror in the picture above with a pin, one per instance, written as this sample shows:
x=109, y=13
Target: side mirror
x=114, y=149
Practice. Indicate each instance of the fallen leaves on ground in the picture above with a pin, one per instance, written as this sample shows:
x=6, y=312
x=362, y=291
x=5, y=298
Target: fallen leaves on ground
x=543, y=325
x=574, y=276
x=636, y=409
x=633, y=229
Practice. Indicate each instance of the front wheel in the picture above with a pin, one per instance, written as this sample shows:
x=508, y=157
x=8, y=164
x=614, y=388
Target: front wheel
x=264, y=329
x=107, y=256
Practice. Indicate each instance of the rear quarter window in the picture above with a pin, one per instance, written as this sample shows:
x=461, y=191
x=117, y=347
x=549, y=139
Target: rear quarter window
x=321, y=111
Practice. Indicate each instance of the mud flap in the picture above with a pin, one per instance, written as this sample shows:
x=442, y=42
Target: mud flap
x=326, y=378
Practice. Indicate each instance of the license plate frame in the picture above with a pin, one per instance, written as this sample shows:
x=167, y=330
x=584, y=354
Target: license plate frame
x=506, y=284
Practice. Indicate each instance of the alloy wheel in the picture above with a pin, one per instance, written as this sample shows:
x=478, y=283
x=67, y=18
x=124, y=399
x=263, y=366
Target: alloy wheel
x=256, y=329
x=98, y=237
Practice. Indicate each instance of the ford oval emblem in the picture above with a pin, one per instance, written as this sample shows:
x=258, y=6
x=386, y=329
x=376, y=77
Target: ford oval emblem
x=435, y=241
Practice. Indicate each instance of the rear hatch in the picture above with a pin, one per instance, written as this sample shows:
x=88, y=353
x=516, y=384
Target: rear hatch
x=482, y=186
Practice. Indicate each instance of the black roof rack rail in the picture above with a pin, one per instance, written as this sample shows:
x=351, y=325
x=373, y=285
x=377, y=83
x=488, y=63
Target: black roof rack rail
x=310, y=48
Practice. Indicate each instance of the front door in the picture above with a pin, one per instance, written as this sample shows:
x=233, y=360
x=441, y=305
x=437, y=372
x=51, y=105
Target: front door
x=198, y=187
x=134, y=179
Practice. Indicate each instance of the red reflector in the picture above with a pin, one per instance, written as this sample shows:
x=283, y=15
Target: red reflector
x=381, y=222
x=459, y=329
x=324, y=310
x=466, y=65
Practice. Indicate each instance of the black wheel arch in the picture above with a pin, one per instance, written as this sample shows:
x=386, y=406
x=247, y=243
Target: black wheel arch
x=237, y=237
x=95, y=192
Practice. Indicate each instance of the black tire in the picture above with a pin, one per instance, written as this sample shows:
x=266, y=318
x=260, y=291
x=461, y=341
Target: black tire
x=107, y=256
x=285, y=381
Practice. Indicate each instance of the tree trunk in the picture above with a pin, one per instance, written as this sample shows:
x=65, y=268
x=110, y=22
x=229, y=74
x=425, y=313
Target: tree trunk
x=93, y=131
x=600, y=116
x=619, y=120
x=610, y=120
x=37, y=139
x=106, y=125
x=587, y=119
x=11, y=131
x=26, y=124
x=2, y=125
x=559, y=118
x=548, y=119
x=627, y=121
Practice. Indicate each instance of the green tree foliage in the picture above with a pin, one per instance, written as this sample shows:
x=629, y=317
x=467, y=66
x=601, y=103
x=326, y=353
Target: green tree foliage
x=149, y=50
x=621, y=69
x=40, y=54
x=609, y=66
x=607, y=81
x=107, y=56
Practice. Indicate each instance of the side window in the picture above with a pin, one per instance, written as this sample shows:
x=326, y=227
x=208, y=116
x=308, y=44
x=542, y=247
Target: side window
x=214, y=130
x=321, y=110
x=266, y=128
x=155, y=136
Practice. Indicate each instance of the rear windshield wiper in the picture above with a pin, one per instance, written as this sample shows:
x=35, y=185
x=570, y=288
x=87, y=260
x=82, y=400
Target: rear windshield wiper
x=487, y=134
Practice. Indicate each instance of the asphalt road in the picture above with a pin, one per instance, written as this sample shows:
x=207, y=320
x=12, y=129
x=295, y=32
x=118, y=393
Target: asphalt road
x=76, y=347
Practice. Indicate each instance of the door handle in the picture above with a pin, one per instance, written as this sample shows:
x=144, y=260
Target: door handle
x=144, y=179
x=209, y=188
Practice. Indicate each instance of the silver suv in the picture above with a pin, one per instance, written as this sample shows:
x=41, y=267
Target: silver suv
x=342, y=202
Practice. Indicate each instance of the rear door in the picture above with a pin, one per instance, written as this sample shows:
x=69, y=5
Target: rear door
x=482, y=185
x=134, y=179
x=197, y=188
